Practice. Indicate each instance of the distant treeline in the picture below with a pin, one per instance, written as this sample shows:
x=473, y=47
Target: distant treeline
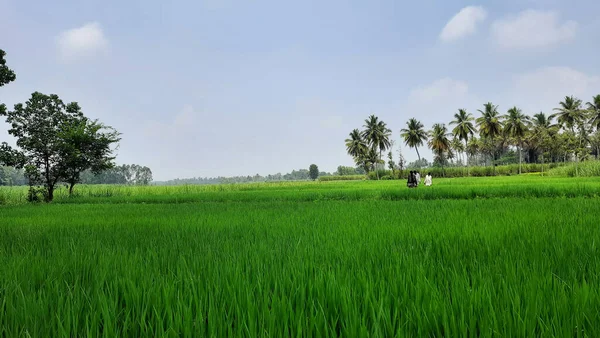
x=295, y=175
x=128, y=174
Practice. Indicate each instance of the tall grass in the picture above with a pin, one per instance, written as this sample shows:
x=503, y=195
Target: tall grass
x=483, y=267
x=585, y=169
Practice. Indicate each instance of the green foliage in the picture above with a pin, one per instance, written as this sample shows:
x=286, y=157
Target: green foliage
x=56, y=142
x=414, y=135
x=6, y=74
x=343, y=171
x=313, y=172
x=306, y=259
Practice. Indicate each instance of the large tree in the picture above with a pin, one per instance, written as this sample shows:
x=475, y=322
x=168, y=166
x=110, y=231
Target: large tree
x=516, y=125
x=463, y=129
x=414, y=135
x=570, y=115
x=440, y=143
x=87, y=145
x=490, y=126
x=55, y=141
x=6, y=74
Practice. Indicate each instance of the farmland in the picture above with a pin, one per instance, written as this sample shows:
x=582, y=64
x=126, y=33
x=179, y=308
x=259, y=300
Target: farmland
x=501, y=256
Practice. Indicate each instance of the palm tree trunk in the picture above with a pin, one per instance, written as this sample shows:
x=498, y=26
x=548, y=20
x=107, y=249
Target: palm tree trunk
x=417, y=149
x=519, y=150
x=467, y=157
x=542, y=162
x=377, y=171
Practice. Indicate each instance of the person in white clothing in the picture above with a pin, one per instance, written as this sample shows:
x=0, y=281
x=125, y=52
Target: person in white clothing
x=428, y=180
x=418, y=177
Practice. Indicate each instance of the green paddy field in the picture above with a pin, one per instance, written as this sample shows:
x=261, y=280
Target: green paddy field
x=489, y=257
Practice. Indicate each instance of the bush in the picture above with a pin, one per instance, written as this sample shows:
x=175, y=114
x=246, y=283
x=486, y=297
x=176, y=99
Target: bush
x=37, y=194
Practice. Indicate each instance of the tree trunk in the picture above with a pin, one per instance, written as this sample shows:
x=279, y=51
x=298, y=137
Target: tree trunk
x=467, y=158
x=519, y=150
x=542, y=162
x=50, y=196
x=419, y=156
x=71, y=185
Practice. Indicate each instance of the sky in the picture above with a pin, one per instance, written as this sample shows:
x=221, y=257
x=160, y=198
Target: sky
x=223, y=87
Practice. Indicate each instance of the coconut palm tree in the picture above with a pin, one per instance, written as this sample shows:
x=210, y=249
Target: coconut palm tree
x=463, y=129
x=473, y=147
x=570, y=115
x=542, y=133
x=439, y=142
x=414, y=135
x=458, y=147
x=594, y=111
x=377, y=135
x=489, y=125
x=516, y=125
x=355, y=145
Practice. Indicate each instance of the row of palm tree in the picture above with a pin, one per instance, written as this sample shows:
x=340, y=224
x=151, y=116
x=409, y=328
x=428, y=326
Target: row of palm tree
x=539, y=134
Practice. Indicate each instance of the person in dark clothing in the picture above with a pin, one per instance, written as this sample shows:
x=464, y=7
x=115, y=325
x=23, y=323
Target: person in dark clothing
x=412, y=181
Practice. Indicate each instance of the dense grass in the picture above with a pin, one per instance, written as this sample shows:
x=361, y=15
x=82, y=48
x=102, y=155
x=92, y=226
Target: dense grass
x=584, y=169
x=300, y=260
x=456, y=188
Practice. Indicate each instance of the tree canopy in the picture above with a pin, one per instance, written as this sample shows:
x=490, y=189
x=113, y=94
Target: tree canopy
x=56, y=142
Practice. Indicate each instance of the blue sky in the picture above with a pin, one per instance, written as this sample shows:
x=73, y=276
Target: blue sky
x=224, y=87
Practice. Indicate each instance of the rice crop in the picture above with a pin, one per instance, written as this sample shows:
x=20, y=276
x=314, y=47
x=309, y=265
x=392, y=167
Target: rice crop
x=518, y=264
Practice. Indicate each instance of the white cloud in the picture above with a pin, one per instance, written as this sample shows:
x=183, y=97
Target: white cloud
x=82, y=42
x=532, y=29
x=441, y=89
x=464, y=23
x=543, y=88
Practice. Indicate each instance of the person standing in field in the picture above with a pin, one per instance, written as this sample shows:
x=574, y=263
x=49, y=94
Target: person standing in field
x=411, y=179
x=428, y=180
x=417, y=178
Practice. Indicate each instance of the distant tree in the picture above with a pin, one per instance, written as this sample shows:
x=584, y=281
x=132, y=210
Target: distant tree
x=543, y=133
x=463, y=129
x=516, y=126
x=313, y=172
x=440, y=143
x=414, y=135
x=358, y=149
x=594, y=112
x=46, y=141
x=569, y=116
x=344, y=171
x=6, y=74
x=391, y=163
x=490, y=127
x=377, y=136
x=418, y=164
x=401, y=161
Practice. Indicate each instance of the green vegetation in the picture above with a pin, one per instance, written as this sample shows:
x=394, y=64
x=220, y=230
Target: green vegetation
x=309, y=259
x=575, y=137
